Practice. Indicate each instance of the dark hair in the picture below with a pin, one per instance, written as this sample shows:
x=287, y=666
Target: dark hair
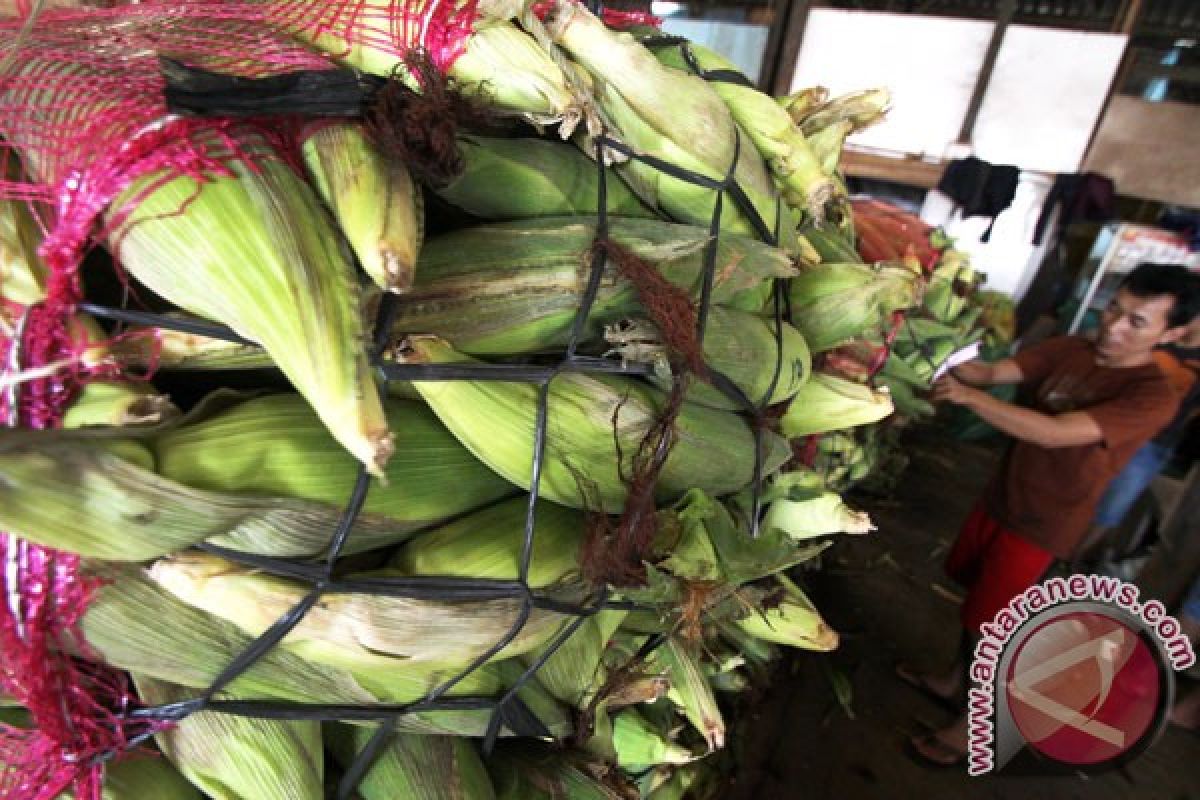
x=1152, y=280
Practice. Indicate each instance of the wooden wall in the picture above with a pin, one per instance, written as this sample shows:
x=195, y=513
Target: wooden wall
x=1150, y=150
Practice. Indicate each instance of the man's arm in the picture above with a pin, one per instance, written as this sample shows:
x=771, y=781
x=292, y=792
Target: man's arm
x=981, y=373
x=1071, y=429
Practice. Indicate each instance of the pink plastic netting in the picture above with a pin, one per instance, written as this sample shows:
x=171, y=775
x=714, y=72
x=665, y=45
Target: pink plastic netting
x=81, y=104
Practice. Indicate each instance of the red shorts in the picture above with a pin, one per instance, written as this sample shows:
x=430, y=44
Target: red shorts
x=994, y=564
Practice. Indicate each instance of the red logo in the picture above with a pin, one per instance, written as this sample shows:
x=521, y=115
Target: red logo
x=1084, y=688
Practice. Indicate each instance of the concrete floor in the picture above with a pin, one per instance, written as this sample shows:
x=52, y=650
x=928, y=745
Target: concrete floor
x=887, y=595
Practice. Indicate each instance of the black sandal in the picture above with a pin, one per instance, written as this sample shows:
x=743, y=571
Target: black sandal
x=914, y=679
x=921, y=749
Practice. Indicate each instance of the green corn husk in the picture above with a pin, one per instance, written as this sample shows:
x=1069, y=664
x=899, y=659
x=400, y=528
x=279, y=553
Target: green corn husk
x=412, y=767
x=800, y=506
x=499, y=59
x=576, y=670
x=691, y=692
x=792, y=621
x=795, y=164
x=695, y=131
x=488, y=544
x=897, y=370
x=923, y=329
x=277, y=243
x=523, y=774
x=829, y=403
x=639, y=744
x=231, y=757
x=22, y=273
x=827, y=145
x=541, y=178
x=855, y=110
x=119, y=404
x=803, y=102
x=139, y=777
x=136, y=625
x=164, y=348
x=349, y=624
x=378, y=206
x=833, y=304
x=831, y=246
x=516, y=288
x=134, y=777
x=99, y=498
x=739, y=345
x=905, y=398
x=274, y=445
x=583, y=465
x=758, y=653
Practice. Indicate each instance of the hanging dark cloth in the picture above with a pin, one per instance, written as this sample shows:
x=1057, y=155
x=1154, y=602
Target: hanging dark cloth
x=979, y=189
x=1084, y=197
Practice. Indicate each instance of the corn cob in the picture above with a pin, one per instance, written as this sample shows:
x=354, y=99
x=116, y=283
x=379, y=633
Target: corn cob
x=412, y=767
x=488, y=543
x=240, y=758
x=541, y=178
x=576, y=669
x=830, y=246
x=165, y=348
x=794, y=621
x=99, y=498
x=739, y=345
x=630, y=86
x=134, y=624
x=516, y=288
x=352, y=624
x=908, y=403
x=803, y=510
x=272, y=222
x=499, y=58
x=827, y=144
x=273, y=445
x=120, y=404
x=787, y=152
x=583, y=464
x=758, y=653
x=827, y=403
x=835, y=303
x=690, y=691
x=378, y=206
x=640, y=745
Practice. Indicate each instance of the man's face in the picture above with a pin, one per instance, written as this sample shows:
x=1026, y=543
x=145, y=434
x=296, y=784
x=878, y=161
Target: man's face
x=1133, y=326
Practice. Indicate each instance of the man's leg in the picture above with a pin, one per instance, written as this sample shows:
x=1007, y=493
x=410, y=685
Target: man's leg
x=964, y=564
x=1011, y=565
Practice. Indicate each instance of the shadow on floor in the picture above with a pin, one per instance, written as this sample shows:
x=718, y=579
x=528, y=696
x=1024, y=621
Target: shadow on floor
x=887, y=595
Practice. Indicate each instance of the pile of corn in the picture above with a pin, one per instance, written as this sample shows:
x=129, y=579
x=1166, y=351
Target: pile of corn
x=630, y=701
x=904, y=355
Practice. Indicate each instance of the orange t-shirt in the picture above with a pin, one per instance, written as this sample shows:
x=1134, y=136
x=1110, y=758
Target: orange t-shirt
x=1049, y=495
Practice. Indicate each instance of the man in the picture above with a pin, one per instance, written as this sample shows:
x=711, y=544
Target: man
x=1181, y=364
x=1092, y=405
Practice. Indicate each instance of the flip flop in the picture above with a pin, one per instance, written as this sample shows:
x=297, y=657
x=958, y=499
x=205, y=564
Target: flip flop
x=917, y=681
x=930, y=751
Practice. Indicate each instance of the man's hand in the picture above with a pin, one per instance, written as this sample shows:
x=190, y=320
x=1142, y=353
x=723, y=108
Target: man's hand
x=949, y=389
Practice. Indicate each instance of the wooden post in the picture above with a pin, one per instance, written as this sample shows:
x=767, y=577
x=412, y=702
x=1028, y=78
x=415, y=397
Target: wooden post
x=777, y=73
x=1004, y=14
